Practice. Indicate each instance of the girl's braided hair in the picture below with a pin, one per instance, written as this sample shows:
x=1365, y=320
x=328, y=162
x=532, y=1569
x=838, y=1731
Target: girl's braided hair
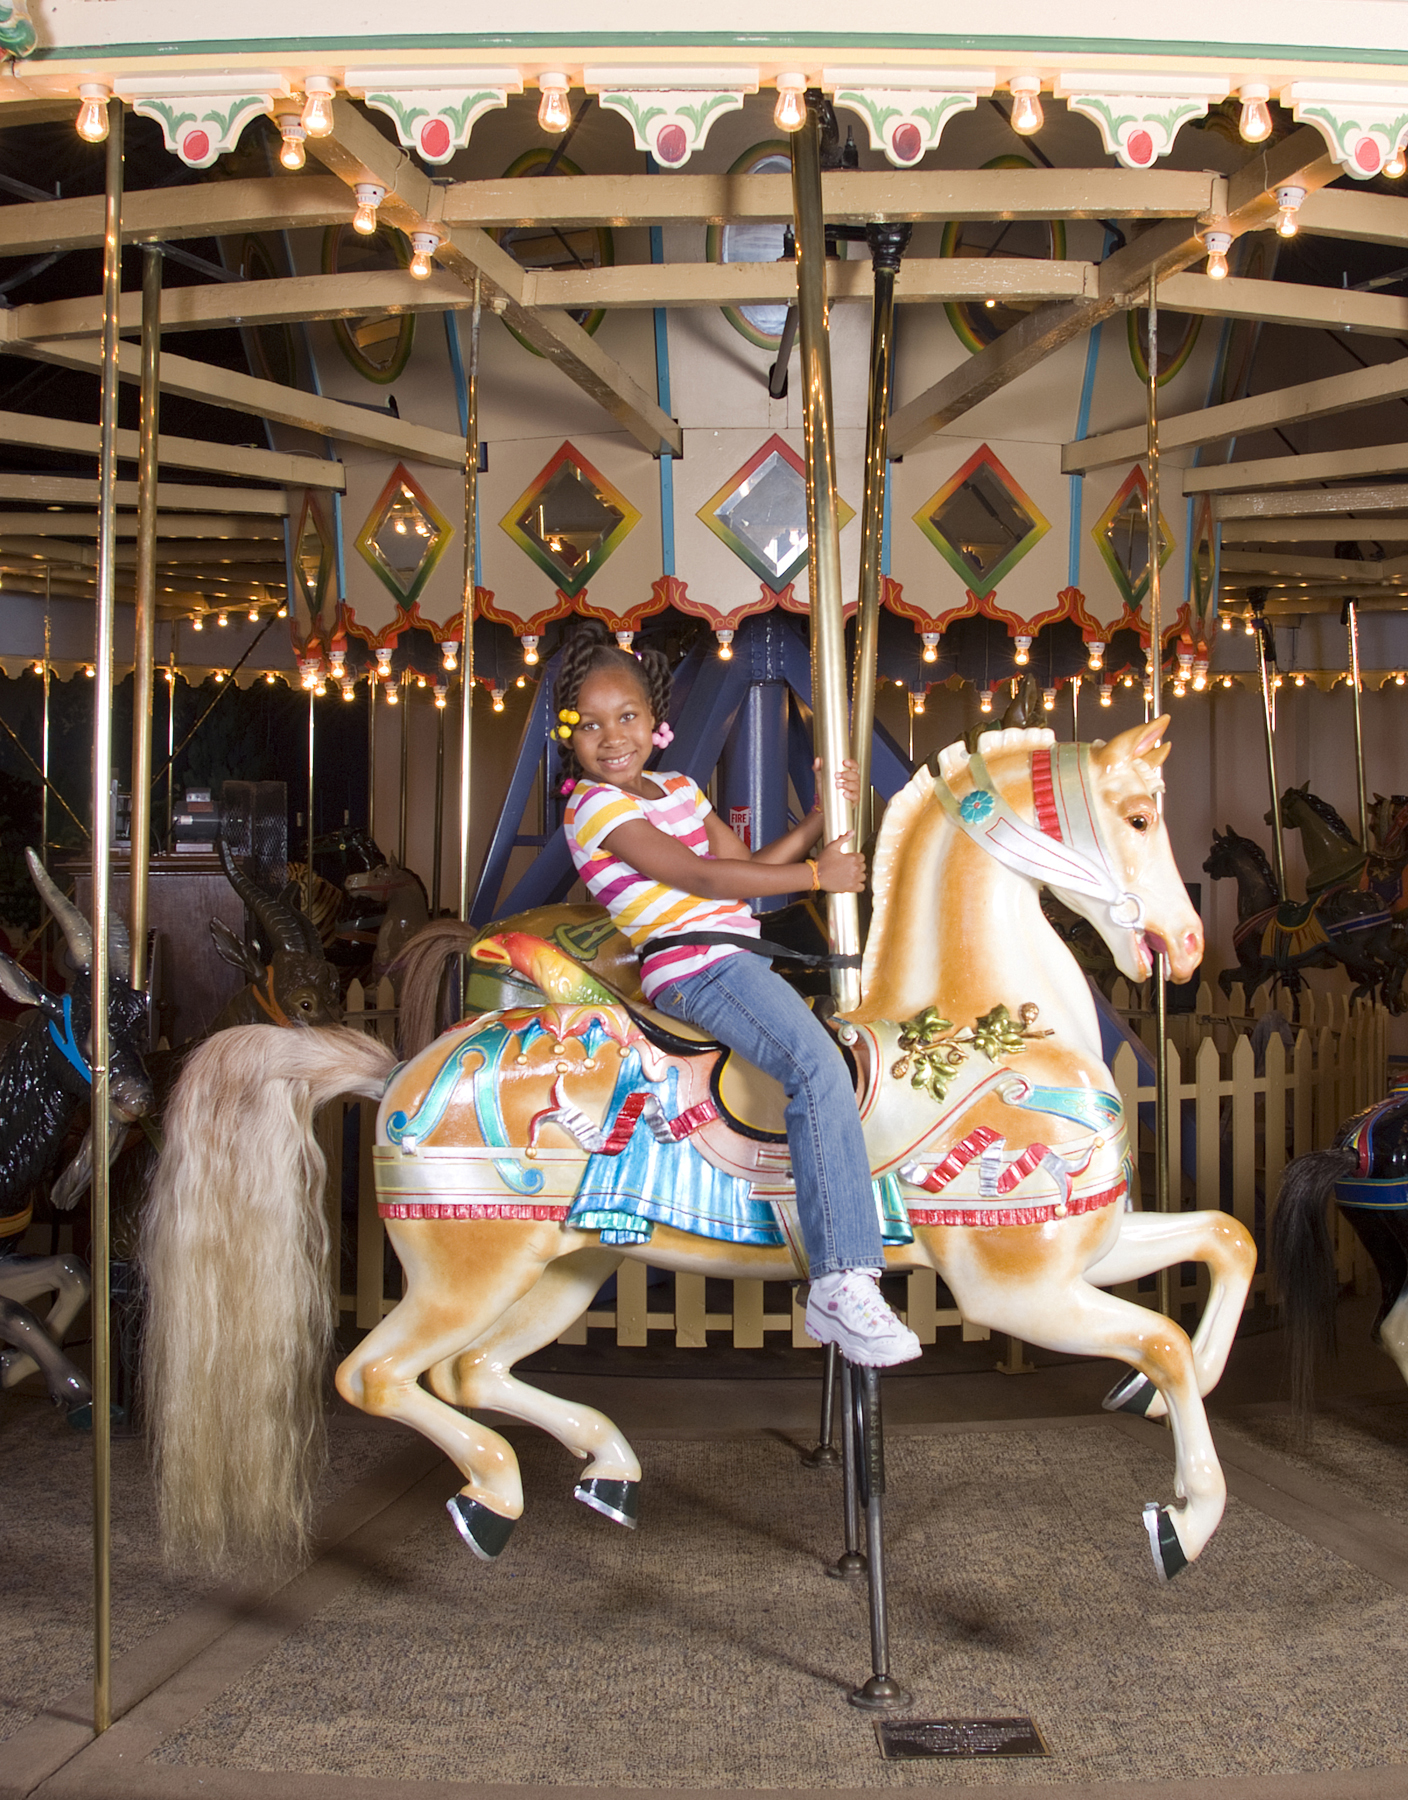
x=590, y=648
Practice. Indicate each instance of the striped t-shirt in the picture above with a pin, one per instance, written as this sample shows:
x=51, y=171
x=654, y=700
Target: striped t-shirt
x=641, y=907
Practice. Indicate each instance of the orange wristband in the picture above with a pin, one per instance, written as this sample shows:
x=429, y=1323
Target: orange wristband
x=816, y=874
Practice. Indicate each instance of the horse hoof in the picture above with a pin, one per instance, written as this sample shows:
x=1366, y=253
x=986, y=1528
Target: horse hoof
x=1169, y=1554
x=1135, y=1394
x=613, y=1499
x=485, y=1532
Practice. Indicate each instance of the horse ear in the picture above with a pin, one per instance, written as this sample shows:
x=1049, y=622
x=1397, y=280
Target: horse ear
x=1139, y=740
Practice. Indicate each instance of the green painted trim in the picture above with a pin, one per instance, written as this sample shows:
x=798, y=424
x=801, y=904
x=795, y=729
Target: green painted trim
x=759, y=40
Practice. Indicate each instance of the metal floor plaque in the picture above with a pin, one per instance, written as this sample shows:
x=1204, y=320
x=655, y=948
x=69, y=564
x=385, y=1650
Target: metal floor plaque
x=910, y=1740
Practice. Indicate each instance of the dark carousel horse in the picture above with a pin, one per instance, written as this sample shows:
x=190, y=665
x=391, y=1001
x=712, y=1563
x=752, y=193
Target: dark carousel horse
x=1366, y=1174
x=1275, y=940
x=45, y=1076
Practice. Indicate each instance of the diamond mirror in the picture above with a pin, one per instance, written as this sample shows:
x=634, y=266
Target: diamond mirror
x=982, y=522
x=570, y=520
x=761, y=514
x=312, y=563
x=1122, y=534
x=405, y=536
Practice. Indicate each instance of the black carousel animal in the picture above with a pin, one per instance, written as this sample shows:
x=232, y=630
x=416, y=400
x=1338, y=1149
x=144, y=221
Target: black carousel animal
x=291, y=982
x=1365, y=1172
x=45, y=1077
x=1275, y=940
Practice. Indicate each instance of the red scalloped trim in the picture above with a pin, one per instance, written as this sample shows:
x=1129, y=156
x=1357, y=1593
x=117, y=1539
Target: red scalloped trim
x=986, y=1218
x=470, y=1209
x=630, y=620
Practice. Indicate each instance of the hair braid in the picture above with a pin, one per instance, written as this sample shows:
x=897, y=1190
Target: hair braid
x=591, y=647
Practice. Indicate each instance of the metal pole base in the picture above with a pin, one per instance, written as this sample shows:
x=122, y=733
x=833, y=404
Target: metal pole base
x=879, y=1694
x=850, y=1565
x=825, y=1455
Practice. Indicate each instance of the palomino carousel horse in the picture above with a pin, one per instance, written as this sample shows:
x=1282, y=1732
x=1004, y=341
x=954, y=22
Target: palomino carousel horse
x=1366, y=1173
x=1275, y=940
x=530, y=1149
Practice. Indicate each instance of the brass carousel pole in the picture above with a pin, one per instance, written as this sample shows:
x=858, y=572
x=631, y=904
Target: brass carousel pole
x=144, y=628
x=471, y=498
x=887, y=247
x=403, y=815
x=312, y=770
x=102, y=852
x=1163, y=1120
x=828, y=635
x=44, y=770
x=371, y=755
x=438, y=842
x=1256, y=600
x=1351, y=619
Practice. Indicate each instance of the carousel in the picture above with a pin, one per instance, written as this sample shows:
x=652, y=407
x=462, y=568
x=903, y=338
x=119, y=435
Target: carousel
x=1044, y=579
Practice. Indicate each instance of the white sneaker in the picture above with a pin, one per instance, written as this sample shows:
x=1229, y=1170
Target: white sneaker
x=848, y=1311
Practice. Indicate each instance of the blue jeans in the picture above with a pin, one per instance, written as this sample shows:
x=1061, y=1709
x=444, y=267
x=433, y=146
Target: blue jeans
x=742, y=1003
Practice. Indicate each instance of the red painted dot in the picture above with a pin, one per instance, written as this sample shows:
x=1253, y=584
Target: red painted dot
x=1140, y=147
x=434, y=138
x=907, y=142
x=1367, y=155
x=195, y=146
x=671, y=144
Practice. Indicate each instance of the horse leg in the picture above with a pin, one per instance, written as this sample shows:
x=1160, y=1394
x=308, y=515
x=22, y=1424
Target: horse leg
x=1152, y=1241
x=482, y=1376
x=460, y=1277
x=1063, y=1312
x=24, y=1279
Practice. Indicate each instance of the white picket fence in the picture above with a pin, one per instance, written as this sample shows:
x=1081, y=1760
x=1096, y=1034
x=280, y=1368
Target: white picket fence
x=1244, y=1127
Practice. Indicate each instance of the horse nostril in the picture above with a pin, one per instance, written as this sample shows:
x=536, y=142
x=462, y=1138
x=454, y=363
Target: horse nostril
x=1193, y=943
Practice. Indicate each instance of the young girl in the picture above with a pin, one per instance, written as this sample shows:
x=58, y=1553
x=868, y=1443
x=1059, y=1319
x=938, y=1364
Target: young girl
x=652, y=851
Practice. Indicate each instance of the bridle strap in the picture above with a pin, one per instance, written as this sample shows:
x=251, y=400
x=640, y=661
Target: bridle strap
x=1063, y=849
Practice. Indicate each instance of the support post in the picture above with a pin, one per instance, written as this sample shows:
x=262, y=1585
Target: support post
x=1265, y=656
x=144, y=624
x=471, y=500
x=102, y=855
x=887, y=247
x=371, y=755
x=824, y=1456
x=828, y=636
x=1351, y=619
x=851, y=1562
x=312, y=773
x=404, y=774
x=1154, y=538
x=438, y=842
x=879, y=1691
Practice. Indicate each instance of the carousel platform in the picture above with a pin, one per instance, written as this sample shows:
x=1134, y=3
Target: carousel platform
x=707, y=1652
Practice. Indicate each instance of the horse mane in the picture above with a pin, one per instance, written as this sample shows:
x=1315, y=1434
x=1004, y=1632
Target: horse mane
x=904, y=810
x=1323, y=810
x=1252, y=850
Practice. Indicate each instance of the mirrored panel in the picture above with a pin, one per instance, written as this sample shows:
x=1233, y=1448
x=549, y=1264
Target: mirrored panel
x=570, y=520
x=982, y=522
x=404, y=536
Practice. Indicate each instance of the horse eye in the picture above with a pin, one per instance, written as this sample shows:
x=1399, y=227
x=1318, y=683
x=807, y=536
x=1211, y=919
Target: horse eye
x=1140, y=821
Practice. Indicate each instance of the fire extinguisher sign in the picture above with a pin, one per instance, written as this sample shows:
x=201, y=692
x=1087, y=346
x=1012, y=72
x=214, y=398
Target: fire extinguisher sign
x=740, y=822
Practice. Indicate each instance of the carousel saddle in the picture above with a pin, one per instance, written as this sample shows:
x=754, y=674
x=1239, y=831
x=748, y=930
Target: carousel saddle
x=752, y=1102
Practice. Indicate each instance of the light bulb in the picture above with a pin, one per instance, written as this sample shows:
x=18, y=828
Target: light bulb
x=254, y=615
x=1299, y=679
x=1396, y=164
x=1107, y=693
x=1022, y=654
x=369, y=196
x=1226, y=621
x=1180, y=689
x=197, y=622
x=498, y=700
x=1218, y=244
x=930, y=640
x=282, y=613
x=450, y=656
x=1095, y=658
x=625, y=639
x=270, y=679
x=1256, y=114
x=317, y=106
x=1248, y=627
x=349, y=691
x=1399, y=679
x=222, y=618
x=530, y=650
x=985, y=701
x=554, y=114
x=441, y=697
x=292, y=130
x=522, y=682
x=725, y=645
x=219, y=674
x=917, y=701
x=423, y=246
x=92, y=121
x=1289, y=200
x=1027, y=116
x=790, y=112
x=1048, y=699
x=392, y=697
x=39, y=668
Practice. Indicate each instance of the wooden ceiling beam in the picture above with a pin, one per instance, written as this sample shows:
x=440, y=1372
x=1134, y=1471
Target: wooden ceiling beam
x=1280, y=471
x=260, y=399
x=357, y=151
x=36, y=433
x=173, y=525
x=74, y=490
x=1160, y=251
x=1311, y=503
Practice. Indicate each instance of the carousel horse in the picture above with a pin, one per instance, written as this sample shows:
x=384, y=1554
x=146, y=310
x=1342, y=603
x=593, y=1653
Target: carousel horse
x=1366, y=1174
x=44, y=1077
x=1332, y=853
x=1276, y=939
x=528, y=1151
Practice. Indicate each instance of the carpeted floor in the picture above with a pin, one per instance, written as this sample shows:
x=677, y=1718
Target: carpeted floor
x=709, y=1651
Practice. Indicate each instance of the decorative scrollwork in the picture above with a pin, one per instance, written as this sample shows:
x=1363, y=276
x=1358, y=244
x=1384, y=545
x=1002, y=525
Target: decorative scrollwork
x=932, y=1051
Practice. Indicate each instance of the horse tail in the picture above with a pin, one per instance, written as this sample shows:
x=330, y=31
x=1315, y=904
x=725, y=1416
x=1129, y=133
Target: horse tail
x=1301, y=1259
x=420, y=968
x=235, y=1254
